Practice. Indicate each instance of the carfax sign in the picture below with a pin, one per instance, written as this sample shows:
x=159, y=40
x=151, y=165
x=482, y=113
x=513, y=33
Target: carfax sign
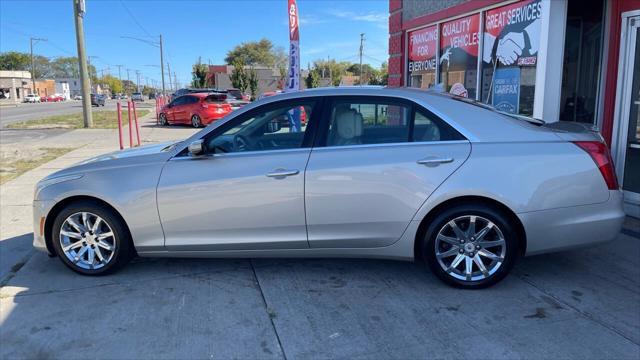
x=506, y=89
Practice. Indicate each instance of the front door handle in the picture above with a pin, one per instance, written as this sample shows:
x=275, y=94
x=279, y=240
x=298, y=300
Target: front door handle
x=281, y=173
x=435, y=161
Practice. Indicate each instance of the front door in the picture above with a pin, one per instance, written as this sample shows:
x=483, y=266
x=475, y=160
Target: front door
x=379, y=161
x=628, y=113
x=247, y=192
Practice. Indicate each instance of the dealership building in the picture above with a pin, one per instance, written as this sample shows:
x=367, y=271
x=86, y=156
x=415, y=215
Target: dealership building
x=569, y=60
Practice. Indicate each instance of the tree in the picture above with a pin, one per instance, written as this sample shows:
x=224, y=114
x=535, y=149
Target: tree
x=332, y=69
x=380, y=77
x=113, y=83
x=15, y=61
x=239, y=76
x=199, y=74
x=254, y=53
x=253, y=82
x=65, y=67
x=282, y=71
x=313, y=79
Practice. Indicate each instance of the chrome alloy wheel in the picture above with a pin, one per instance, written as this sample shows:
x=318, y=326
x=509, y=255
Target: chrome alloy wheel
x=87, y=240
x=468, y=254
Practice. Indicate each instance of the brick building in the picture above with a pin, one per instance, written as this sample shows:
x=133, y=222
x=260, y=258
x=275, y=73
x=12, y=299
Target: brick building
x=570, y=60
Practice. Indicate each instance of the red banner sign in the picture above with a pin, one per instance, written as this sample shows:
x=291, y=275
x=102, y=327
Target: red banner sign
x=423, y=43
x=461, y=34
x=293, y=21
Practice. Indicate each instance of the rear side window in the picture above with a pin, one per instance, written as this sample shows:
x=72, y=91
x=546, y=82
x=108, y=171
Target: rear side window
x=428, y=127
x=364, y=122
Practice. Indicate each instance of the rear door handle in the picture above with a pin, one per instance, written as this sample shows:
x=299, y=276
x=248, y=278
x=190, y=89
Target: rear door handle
x=434, y=161
x=280, y=173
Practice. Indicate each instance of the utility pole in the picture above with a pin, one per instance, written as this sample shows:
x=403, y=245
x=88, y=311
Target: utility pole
x=170, y=85
x=175, y=80
x=120, y=76
x=361, y=50
x=128, y=81
x=138, y=79
x=78, y=14
x=33, y=63
x=162, y=65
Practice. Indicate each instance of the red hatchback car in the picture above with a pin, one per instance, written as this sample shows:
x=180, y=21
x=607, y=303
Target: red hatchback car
x=197, y=109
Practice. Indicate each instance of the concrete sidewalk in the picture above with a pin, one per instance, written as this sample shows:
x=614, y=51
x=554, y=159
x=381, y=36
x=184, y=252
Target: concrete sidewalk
x=16, y=196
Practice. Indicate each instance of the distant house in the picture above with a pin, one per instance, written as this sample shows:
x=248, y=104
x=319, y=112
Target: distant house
x=74, y=85
x=62, y=88
x=14, y=85
x=45, y=87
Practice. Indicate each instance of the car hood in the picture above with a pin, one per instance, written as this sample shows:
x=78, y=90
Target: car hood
x=128, y=157
x=137, y=151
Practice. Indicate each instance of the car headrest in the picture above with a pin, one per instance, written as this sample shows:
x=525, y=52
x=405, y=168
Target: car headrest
x=349, y=124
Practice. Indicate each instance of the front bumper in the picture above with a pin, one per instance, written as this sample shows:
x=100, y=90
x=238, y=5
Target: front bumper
x=40, y=211
x=571, y=227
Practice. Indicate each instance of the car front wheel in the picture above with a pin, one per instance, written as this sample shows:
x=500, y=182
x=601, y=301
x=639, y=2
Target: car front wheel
x=471, y=246
x=91, y=239
x=163, y=120
x=195, y=121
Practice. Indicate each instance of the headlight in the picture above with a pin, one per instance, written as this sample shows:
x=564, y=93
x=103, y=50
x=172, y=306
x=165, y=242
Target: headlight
x=54, y=180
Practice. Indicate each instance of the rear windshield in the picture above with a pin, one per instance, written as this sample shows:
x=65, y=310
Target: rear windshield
x=235, y=93
x=215, y=98
x=491, y=108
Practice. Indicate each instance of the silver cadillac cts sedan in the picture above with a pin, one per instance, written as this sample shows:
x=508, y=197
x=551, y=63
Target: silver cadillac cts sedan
x=342, y=172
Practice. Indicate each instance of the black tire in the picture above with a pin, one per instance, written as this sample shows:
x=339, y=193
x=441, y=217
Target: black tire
x=196, y=122
x=124, y=250
x=163, y=120
x=441, y=221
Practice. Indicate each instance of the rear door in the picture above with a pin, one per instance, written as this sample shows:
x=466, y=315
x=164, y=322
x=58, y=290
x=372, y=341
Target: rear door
x=376, y=163
x=181, y=113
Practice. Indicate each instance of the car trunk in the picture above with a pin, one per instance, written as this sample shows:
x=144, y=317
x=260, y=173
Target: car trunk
x=574, y=131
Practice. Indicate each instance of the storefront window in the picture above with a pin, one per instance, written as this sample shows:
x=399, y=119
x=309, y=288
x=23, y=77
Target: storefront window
x=509, y=56
x=422, y=57
x=581, y=65
x=459, y=55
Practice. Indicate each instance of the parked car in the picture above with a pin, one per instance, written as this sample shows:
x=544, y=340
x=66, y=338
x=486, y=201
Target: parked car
x=77, y=97
x=197, y=109
x=238, y=95
x=32, y=98
x=379, y=173
x=53, y=98
x=137, y=97
x=97, y=100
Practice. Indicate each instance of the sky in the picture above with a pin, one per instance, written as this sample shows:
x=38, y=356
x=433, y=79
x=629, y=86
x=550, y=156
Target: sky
x=192, y=29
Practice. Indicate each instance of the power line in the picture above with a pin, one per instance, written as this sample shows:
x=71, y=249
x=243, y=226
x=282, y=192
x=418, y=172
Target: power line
x=134, y=19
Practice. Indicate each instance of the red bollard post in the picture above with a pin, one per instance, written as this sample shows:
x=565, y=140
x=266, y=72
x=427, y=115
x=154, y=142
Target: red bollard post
x=120, y=124
x=135, y=118
x=130, y=126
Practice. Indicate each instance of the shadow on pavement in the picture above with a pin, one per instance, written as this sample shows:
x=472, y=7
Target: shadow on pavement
x=578, y=304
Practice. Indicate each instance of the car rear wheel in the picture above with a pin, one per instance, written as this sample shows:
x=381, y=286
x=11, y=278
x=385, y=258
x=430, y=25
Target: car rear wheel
x=471, y=246
x=195, y=121
x=163, y=120
x=91, y=239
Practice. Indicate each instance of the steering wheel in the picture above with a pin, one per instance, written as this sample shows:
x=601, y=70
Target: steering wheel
x=240, y=143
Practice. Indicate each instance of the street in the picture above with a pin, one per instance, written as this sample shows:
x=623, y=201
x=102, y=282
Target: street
x=579, y=304
x=30, y=111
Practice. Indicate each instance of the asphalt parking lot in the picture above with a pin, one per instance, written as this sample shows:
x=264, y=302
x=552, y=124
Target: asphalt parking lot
x=575, y=304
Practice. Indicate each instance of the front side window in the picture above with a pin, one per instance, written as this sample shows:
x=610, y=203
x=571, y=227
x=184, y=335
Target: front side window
x=357, y=123
x=278, y=128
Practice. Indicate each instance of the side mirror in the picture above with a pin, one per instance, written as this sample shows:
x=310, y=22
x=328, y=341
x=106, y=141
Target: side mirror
x=197, y=148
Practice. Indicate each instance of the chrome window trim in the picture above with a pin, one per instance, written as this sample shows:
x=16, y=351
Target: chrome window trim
x=395, y=144
x=241, y=154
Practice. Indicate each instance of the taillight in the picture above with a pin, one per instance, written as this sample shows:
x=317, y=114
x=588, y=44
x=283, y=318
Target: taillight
x=601, y=156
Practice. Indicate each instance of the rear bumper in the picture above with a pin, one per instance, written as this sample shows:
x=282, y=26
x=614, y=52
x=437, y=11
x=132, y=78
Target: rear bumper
x=571, y=227
x=209, y=118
